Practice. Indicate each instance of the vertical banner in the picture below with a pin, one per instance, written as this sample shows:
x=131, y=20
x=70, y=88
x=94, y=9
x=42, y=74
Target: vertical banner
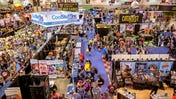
x=34, y=66
x=122, y=28
x=36, y=2
x=127, y=68
x=43, y=68
x=60, y=68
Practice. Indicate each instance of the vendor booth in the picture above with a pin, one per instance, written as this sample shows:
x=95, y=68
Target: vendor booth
x=140, y=71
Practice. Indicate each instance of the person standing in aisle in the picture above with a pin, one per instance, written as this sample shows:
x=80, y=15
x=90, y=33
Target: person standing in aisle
x=96, y=91
x=100, y=81
x=155, y=87
x=89, y=49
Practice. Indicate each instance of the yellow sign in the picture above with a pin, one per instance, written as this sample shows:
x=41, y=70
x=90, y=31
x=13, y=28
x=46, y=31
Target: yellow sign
x=127, y=18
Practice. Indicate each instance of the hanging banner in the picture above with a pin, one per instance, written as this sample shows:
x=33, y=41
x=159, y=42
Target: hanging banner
x=35, y=66
x=56, y=67
x=68, y=7
x=43, y=68
x=55, y=18
x=130, y=18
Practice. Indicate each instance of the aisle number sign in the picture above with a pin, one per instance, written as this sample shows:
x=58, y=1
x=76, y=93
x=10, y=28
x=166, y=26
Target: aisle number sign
x=128, y=18
x=68, y=7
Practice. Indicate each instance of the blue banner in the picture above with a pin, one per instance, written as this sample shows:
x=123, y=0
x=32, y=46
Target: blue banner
x=127, y=65
x=165, y=66
x=152, y=66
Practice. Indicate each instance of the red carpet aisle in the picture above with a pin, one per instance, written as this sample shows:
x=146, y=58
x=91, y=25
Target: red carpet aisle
x=96, y=59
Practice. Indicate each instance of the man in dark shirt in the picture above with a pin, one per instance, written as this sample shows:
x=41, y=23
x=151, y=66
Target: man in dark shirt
x=100, y=81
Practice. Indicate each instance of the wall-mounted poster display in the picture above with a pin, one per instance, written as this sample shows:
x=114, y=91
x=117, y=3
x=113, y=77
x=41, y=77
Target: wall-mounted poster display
x=43, y=67
x=53, y=68
x=68, y=6
x=165, y=66
x=59, y=65
x=152, y=66
x=140, y=66
x=34, y=66
x=127, y=68
x=130, y=27
x=122, y=28
x=130, y=18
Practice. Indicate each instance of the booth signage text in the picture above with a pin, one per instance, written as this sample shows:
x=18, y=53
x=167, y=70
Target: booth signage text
x=69, y=16
x=127, y=18
x=167, y=8
x=68, y=7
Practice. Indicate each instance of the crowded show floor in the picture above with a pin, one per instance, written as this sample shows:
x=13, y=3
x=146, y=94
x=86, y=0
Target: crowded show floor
x=65, y=51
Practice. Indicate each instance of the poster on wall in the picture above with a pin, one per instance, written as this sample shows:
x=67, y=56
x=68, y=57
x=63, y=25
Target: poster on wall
x=165, y=66
x=144, y=26
x=53, y=68
x=122, y=28
x=140, y=66
x=152, y=66
x=127, y=68
x=56, y=68
x=130, y=18
x=34, y=66
x=130, y=27
x=43, y=67
x=68, y=7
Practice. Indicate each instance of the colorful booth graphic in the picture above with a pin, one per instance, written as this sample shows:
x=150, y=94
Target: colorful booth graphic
x=53, y=68
x=55, y=18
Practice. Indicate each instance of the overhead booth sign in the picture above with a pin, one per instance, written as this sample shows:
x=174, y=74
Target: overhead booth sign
x=130, y=18
x=68, y=7
x=167, y=8
x=55, y=18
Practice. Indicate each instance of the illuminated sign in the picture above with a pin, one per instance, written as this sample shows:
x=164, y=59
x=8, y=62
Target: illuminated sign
x=68, y=7
x=128, y=18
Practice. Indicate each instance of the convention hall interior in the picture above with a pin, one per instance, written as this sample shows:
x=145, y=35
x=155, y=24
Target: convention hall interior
x=87, y=49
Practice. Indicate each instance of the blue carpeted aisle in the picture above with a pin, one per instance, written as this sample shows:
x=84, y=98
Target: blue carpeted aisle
x=96, y=59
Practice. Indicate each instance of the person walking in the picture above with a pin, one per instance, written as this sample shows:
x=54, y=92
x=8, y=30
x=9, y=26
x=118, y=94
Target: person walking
x=155, y=87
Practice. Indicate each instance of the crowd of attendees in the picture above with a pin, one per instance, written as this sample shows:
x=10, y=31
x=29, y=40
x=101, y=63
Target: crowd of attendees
x=157, y=35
